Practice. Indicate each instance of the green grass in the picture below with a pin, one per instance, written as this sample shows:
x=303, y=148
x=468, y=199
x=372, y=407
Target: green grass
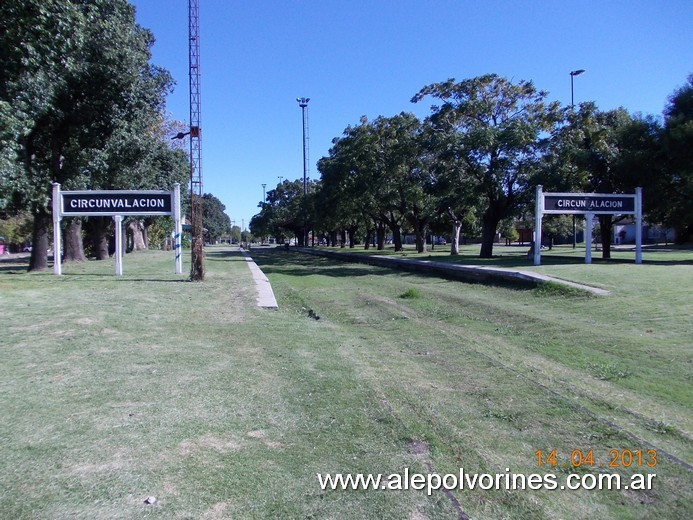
x=515, y=256
x=113, y=390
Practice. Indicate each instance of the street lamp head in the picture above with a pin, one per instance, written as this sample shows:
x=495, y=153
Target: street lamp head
x=576, y=72
x=303, y=102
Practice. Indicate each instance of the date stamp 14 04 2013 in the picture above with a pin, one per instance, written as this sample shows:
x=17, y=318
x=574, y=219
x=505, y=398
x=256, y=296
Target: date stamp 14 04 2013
x=616, y=458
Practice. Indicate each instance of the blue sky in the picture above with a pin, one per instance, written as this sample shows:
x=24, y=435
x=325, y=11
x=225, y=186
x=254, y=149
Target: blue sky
x=354, y=58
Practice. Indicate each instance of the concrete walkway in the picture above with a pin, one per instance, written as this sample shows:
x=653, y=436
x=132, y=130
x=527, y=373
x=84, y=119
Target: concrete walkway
x=265, y=294
x=471, y=273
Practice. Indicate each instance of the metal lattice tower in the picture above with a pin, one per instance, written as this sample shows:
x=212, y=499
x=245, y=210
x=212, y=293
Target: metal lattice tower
x=197, y=264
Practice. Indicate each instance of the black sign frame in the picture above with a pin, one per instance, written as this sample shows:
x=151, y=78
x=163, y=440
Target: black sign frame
x=590, y=205
x=116, y=202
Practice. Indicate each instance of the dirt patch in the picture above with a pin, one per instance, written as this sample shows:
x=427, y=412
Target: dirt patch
x=418, y=448
x=262, y=436
x=217, y=511
x=119, y=460
x=396, y=308
x=209, y=442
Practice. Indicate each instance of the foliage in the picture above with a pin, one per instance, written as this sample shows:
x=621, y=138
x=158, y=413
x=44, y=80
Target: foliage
x=675, y=201
x=609, y=152
x=508, y=229
x=411, y=293
x=475, y=161
x=497, y=128
x=16, y=229
x=159, y=233
x=216, y=222
x=78, y=102
x=236, y=233
x=555, y=226
x=284, y=211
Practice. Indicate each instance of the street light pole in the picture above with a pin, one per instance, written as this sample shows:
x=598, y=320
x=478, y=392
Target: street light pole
x=303, y=103
x=574, y=73
x=262, y=205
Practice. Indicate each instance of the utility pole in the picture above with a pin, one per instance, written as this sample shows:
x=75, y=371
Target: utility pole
x=197, y=269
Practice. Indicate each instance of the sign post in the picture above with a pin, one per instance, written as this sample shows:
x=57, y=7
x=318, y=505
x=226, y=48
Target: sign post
x=57, y=246
x=118, y=204
x=589, y=221
x=638, y=225
x=177, y=229
x=118, y=245
x=538, y=213
x=588, y=204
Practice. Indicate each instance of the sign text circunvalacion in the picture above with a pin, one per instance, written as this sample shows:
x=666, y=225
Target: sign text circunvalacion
x=571, y=203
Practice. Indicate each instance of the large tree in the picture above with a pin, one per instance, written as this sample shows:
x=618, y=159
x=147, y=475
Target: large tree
x=284, y=211
x=216, y=221
x=373, y=178
x=502, y=130
x=608, y=152
x=675, y=206
x=77, y=79
x=344, y=200
x=38, y=42
x=455, y=194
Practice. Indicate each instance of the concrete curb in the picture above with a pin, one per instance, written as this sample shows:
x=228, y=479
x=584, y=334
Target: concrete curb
x=468, y=273
x=265, y=294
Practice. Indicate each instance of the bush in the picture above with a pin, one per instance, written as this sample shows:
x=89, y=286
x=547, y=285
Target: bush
x=412, y=293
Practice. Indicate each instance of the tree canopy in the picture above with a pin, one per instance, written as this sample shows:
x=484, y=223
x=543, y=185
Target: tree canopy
x=475, y=161
x=216, y=222
x=500, y=130
x=80, y=105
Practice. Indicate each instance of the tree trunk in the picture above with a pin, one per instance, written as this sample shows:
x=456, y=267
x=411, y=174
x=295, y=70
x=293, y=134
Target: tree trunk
x=683, y=232
x=455, y=246
x=343, y=237
x=333, y=238
x=99, y=236
x=74, y=247
x=352, y=236
x=145, y=235
x=369, y=238
x=39, y=242
x=488, y=235
x=380, y=235
x=421, y=228
x=397, y=237
x=605, y=229
x=136, y=230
